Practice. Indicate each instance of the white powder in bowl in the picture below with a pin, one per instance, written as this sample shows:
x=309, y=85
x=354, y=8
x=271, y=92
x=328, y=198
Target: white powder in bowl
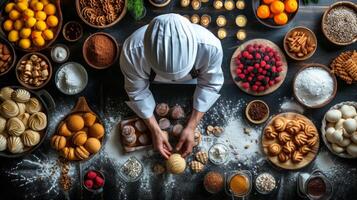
x=314, y=86
x=71, y=78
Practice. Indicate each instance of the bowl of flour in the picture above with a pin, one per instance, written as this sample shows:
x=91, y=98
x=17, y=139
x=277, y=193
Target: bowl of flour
x=314, y=85
x=71, y=78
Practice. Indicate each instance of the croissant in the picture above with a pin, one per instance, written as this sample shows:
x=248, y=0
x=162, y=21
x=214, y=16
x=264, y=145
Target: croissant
x=300, y=139
x=304, y=149
x=310, y=131
x=312, y=141
x=292, y=127
x=279, y=124
x=289, y=147
x=274, y=149
x=284, y=137
x=270, y=133
x=297, y=157
x=283, y=157
x=21, y=96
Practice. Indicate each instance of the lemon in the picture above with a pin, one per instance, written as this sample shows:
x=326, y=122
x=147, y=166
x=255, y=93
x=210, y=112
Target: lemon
x=44, y=2
x=47, y=34
x=50, y=9
x=8, y=25
x=25, y=32
x=21, y=6
x=18, y=24
x=25, y=43
x=52, y=21
x=40, y=25
x=40, y=15
x=28, y=13
x=38, y=6
x=13, y=36
x=30, y=22
x=36, y=34
x=39, y=41
x=14, y=15
x=9, y=7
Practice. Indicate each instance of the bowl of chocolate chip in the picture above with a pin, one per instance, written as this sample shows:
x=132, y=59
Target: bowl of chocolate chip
x=100, y=50
x=7, y=56
x=34, y=70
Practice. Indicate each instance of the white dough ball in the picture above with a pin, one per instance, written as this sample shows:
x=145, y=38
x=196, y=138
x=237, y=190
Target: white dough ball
x=329, y=136
x=3, y=142
x=330, y=130
x=352, y=149
x=350, y=125
x=345, y=142
x=354, y=137
x=337, y=136
x=348, y=111
x=333, y=115
x=339, y=124
x=337, y=148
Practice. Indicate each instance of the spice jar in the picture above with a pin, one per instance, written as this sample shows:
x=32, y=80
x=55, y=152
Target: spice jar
x=229, y=4
x=195, y=19
x=239, y=183
x=196, y=4
x=221, y=21
x=241, y=21
x=241, y=34
x=218, y=4
x=314, y=186
x=205, y=20
x=240, y=4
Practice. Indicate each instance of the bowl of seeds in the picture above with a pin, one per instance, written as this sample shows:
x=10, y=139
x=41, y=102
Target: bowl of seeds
x=339, y=23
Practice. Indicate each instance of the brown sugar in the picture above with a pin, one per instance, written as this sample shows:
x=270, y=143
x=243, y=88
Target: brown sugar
x=101, y=50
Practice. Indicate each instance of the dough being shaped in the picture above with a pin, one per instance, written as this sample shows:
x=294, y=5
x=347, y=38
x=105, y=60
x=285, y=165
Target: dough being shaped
x=140, y=125
x=38, y=121
x=5, y=93
x=9, y=109
x=164, y=123
x=21, y=96
x=177, y=112
x=176, y=164
x=15, y=126
x=162, y=109
x=33, y=105
x=15, y=145
x=3, y=142
x=30, y=138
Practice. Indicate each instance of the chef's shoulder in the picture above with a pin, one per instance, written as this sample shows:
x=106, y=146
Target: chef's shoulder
x=207, y=38
x=135, y=40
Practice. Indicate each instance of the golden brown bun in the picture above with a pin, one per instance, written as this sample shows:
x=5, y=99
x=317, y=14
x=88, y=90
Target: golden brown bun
x=63, y=130
x=96, y=131
x=58, y=142
x=79, y=138
x=75, y=122
x=81, y=153
x=89, y=119
x=92, y=145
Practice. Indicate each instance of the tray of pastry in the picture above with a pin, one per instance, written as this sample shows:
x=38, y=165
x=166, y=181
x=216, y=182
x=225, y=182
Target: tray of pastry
x=290, y=141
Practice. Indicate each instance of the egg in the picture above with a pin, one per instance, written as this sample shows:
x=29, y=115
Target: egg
x=345, y=142
x=348, y=111
x=350, y=125
x=333, y=115
x=352, y=149
x=337, y=148
x=354, y=137
x=339, y=124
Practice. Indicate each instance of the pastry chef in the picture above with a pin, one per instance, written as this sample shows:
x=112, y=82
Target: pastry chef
x=171, y=50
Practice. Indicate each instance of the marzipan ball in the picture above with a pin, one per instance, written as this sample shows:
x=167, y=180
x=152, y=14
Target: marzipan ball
x=162, y=109
x=89, y=119
x=92, y=145
x=75, y=122
x=79, y=138
x=176, y=164
x=81, y=153
x=63, y=130
x=58, y=142
x=213, y=182
x=97, y=130
x=177, y=112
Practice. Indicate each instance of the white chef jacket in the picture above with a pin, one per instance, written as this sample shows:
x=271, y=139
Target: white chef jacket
x=136, y=70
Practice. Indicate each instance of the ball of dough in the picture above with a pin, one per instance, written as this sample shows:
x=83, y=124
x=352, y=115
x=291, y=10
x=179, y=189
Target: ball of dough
x=140, y=125
x=9, y=109
x=33, y=105
x=345, y=142
x=30, y=138
x=339, y=124
x=330, y=130
x=164, y=123
x=176, y=164
x=58, y=142
x=2, y=124
x=337, y=149
x=337, y=136
x=177, y=112
x=21, y=95
x=3, y=142
x=162, y=109
x=89, y=119
x=97, y=130
x=15, y=145
x=81, y=153
x=15, y=126
x=75, y=123
x=92, y=145
x=38, y=121
x=5, y=93
x=348, y=111
x=79, y=138
x=177, y=129
x=352, y=149
x=354, y=137
x=333, y=116
x=25, y=119
x=350, y=125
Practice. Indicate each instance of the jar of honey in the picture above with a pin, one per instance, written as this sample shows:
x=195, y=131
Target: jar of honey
x=239, y=183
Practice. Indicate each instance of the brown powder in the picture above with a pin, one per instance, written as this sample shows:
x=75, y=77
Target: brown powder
x=101, y=50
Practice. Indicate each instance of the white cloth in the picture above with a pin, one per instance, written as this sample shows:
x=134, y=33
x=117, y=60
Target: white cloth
x=166, y=37
x=136, y=69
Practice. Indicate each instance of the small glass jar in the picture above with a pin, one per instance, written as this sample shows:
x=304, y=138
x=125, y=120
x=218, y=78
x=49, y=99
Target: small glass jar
x=221, y=21
x=205, y=20
x=195, y=19
x=218, y=4
x=241, y=21
x=222, y=33
x=229, y=4
x=127, y=178
x=196, y=4
x=242, y=173
x=240, y=4
x=241, y=34
x=185, y=3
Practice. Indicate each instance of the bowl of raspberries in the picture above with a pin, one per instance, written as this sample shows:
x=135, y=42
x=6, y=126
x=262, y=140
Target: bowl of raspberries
x=258, y=67
x=94, y=181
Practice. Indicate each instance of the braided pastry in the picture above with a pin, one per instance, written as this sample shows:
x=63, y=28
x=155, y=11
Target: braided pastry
x=310, y=131
x=312, y=141
x=289, y=147
x=300, y=139
x=293, y=127
x=304, y=149
x=270, y=133
x=274, y=149
x=297, y=157
x=284, y=137
x=279, y=124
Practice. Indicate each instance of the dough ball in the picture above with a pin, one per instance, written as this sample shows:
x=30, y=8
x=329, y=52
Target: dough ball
x=89, y=119
x=213, y=182
x=345, y=142
x=339, y=124
x=354, y=137
x=330, y=130
x=348, y=111
x=140, y=125
x=92, y=145
x=162, y=109
x=177, y=129
x=75, y=123
x=352, y=149
x=79, y=138
x=3, y=142
x=337, y=149
x=350, y=125
x=333, y=116
x=164, y=123
x=97, y=131
x=176, y=164
x=177, y=112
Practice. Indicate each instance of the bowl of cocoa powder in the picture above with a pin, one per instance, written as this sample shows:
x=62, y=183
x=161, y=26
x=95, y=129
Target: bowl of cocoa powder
x=100, y=50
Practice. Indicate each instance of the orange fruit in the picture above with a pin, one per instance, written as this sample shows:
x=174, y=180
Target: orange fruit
x=281, y=18
x=268, y=1
x=277, y=7
x=291, y=6
x=263, y=11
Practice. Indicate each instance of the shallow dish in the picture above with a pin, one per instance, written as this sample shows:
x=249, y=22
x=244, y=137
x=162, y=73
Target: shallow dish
x=65, y=28
x=250, y=119
x=80, y=68
x=13, y=53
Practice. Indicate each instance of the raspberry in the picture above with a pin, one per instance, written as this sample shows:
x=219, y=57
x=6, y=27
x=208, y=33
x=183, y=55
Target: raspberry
x=91, y=175
x=258, y=56
x=250, y=57
x=250, y=49
x=273, y=69
x=240, y=66
x=250, y=78
x=279, y=69
x=245, y=54
x=88, y=184
x=99, y=181
x=266, y=58
x=260, y=77
x=241, y=76
x=267, y=67
x=261, y=88
x=254, y=87
x=271, y=83
x=250, y=68
x=271, y=54
x=258, y=83
x=238, y=71
x=245, y=85
x=262, y=63
x=279, y=63
x=277, y=58
x=278, y=79
x=257, y=65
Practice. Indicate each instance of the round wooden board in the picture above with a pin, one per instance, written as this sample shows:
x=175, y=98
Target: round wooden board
x=323, y=129
x=269, y=44
x=289, y=164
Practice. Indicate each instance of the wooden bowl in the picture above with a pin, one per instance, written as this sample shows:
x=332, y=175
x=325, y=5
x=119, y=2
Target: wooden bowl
x=270, y=22
x=308, y=32
x=252, y=120
x=56, y=30
x=324, y=67
x=64, y=31
x=85, y=46
x=50, y=70
x=13, y=54
x=324, y=17
x=160, y=5
x=121, y=16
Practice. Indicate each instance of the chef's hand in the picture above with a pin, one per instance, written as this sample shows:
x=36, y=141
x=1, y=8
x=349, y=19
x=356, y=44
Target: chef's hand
x=186, y=142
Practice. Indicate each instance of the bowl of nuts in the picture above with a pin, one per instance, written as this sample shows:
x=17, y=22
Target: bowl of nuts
x=34, y=71
x=7, y=56
x=300, y=43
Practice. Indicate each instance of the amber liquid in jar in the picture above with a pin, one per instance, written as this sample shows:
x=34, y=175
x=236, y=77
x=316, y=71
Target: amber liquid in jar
x=239, y=185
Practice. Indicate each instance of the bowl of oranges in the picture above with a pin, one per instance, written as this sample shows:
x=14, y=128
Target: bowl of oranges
x=31, y=25
x=275, y=13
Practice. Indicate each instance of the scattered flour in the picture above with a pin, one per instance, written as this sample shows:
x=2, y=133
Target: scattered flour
x=291, y=105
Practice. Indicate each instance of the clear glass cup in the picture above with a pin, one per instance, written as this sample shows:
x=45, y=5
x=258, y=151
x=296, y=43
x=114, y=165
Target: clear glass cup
x=228, y=177
x=328, y=184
